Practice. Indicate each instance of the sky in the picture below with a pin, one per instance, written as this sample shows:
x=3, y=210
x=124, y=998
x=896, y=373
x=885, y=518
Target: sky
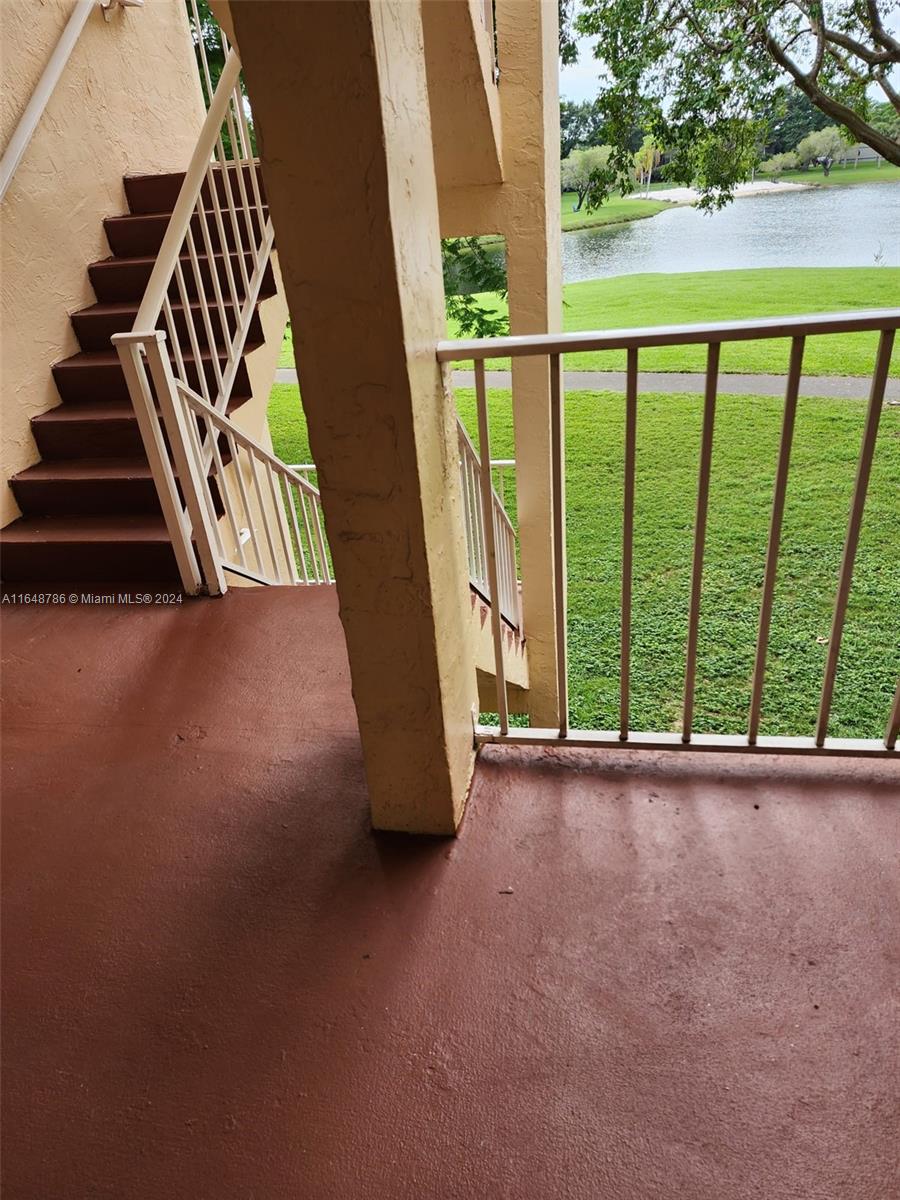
x=579, y=82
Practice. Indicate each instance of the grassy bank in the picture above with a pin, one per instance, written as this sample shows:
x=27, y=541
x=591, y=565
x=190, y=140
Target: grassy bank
x=745, y=449
x=846, y=176
x=628, y=301
x=615, y=211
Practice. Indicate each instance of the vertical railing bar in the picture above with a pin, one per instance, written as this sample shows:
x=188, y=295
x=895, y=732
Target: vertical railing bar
x=173, y=338
x=192, y=333
x=795, y=370
x=484, y=450
x=467, y=516
x=252, y=161
x=213, y=275
x=320, y=539
x=204, y=312
x=257, y=487
x=706, y=442
x=223, y=241
x=314, y=562
x=631, y=390
x=278, y=500
x=558, y=480
x=892, y=729
x=242, y=188
x=194, y=437
x=226, y=494
x=301, y=554
x=202, y=46
x=245, y=500
x=860, y=487
x=232, y=214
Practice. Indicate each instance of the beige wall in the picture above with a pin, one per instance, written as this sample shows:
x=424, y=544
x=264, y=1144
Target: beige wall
x=128, y=102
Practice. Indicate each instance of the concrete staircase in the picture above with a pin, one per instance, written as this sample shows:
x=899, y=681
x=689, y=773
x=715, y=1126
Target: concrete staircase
x=90, y=510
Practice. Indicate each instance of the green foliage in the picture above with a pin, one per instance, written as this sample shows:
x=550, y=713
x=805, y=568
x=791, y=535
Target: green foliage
x=469, y=264
x=580, y=125
x=779, y=163
x=697, y=75
x=790, y=118
x=585, y=170
x=886, y=119
x=823, y=146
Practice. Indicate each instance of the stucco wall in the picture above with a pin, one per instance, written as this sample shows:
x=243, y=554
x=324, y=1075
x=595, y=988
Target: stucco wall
x=128, y=102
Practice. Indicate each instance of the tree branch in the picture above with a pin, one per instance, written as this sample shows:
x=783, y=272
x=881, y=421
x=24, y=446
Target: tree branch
x=879, y=33
x=880, y=143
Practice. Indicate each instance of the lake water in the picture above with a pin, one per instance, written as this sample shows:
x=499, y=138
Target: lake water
x=821, y=227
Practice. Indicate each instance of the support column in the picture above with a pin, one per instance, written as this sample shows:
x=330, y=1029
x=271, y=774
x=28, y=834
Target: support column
x=341, y=110
x=529, y=89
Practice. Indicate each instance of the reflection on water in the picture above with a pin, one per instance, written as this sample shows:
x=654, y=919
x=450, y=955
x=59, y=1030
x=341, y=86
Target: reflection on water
x=823, y=227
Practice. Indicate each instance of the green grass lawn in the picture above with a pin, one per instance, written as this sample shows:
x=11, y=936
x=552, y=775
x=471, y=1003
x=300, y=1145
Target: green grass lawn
x=616, y=211
x=628, y=301
x=744, y=455
x=845, y=176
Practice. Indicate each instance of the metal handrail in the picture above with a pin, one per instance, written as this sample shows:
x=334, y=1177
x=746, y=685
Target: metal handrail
x=46, y=85
x=479, y=349
x=552, y=346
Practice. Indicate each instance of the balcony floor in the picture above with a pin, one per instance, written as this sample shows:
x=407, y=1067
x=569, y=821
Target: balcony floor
x=627, y=978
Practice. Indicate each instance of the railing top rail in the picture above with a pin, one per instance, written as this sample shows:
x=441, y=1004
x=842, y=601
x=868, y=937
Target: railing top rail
x=169, y=251
x=670, y=335
x=226, y=425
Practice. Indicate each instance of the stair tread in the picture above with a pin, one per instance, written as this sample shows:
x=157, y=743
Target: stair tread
x=116, y=308
x=86, y=468
x=110, y=358
x=137, y=527
x=108, y=410
x=142, y=260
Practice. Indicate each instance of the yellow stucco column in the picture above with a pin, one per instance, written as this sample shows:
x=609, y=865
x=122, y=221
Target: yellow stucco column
x=339, y=99
x=529, y=90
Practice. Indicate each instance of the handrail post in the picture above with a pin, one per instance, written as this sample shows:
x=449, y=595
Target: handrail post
x=135, y=372
x=190, y=476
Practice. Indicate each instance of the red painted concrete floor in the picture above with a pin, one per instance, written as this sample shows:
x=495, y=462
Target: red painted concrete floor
x=219, y=984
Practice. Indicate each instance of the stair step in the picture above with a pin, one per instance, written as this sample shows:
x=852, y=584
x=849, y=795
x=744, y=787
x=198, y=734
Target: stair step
x=95, y=430
x=159, y=193
x=142, y=233
x=96, y=375
x=101, y=549
x=95, y=325
x=119, y=280
x=86, y=486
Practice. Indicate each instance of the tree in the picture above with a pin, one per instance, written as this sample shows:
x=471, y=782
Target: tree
x=823, y=146
x=791, y=118
x=696, y=74
x=779, y=162
x=579, y=125
x=471, y=267
x=645, y=159
x=885, y=118
x=584, y=169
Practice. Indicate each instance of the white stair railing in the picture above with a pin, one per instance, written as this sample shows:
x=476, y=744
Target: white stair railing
x=503, y=534
x=229, y=504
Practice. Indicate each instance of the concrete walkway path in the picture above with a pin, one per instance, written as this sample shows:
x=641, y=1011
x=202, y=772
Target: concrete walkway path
x=846, y=387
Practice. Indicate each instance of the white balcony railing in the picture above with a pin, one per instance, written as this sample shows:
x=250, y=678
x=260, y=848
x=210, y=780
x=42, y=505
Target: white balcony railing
x=552, y=347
